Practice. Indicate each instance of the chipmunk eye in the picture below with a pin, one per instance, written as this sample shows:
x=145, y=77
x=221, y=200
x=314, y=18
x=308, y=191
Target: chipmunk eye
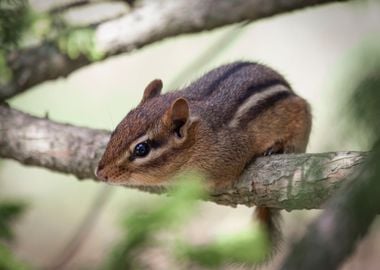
x=141, y=149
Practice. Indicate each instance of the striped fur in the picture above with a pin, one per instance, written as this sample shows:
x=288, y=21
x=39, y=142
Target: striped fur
x=236, y=113
x=217, y=125
x=257, y=102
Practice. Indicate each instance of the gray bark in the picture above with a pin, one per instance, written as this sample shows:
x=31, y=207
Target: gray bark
x=333, y=236
x=150, y=22
x=302, y=181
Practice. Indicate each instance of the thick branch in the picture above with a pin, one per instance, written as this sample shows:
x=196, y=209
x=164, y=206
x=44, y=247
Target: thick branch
x=157, y=20
x=152, y=21
x=35, y=65
x=333, y=236
x=41, y=142
x=283, y=181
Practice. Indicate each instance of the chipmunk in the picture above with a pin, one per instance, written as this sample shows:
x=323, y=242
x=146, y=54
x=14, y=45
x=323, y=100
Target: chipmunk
x=217, y=125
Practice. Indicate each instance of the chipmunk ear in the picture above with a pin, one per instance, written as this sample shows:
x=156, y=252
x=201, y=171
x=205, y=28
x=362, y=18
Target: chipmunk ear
x=180, y=110
x=152, y=90
x=178, y=117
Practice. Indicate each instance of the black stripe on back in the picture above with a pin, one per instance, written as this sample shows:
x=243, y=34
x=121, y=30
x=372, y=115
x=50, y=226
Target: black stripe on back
x=258, y=88
x=225, y=75
x=264, y=105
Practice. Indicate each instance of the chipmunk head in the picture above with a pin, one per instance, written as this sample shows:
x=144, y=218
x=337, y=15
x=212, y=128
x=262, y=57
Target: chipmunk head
x=152, y=142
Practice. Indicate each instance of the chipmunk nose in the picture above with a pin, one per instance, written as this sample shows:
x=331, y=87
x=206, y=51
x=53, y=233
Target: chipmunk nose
x=99, y=173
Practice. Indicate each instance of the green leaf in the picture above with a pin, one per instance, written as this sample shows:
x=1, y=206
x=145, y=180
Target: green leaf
x=9, y=212
x=14, y=20
x=143, y=222
x=79, y=41
x=5, y=72
x=8, y=261
x=250, y=246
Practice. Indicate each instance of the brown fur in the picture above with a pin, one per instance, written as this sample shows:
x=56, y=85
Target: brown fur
x=217, y=125
x=204, y=109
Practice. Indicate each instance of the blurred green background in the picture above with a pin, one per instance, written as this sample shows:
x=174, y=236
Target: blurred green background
x=311, y=48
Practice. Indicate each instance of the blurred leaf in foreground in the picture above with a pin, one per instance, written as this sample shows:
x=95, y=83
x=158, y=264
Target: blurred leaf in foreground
x=7, y=260
x=247, y=247
x=145, y=221
x=9, y=212
x=362, y=84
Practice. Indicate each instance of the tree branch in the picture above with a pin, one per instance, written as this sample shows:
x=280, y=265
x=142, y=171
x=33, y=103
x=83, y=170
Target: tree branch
x=151, y=22
x=302, y=181
x=35, y=65
x=58, y=147
x=332, y=237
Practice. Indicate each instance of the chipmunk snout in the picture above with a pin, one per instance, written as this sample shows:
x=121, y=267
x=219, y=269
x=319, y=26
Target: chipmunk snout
x=100, y=173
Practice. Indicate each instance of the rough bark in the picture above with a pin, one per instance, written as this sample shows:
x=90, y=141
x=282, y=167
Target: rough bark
x=35, y=65
x=160, y=19
x=58, y=147
x=150, y=22
x=302, y=181
x=333, y=236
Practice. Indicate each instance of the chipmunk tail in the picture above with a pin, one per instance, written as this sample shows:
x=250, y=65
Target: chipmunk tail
x=271, y=220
